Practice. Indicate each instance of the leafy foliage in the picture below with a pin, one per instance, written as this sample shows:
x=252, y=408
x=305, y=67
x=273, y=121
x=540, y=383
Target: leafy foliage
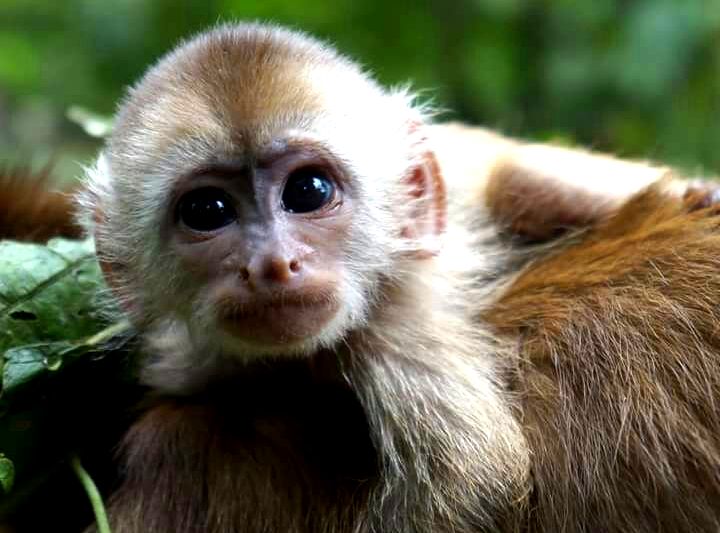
x=7, y=474
x=52, y=336
x=46, y=306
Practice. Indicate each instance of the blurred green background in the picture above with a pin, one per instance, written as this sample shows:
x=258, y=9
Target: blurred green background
x=640, y=78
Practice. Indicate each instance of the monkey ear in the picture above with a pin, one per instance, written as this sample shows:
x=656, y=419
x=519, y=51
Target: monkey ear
x=427, y=215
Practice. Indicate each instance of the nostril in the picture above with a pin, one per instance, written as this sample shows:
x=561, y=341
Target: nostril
x=244, y=274
x=295, y=266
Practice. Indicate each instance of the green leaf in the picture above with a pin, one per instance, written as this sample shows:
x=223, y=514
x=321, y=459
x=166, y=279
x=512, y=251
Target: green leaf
x=47, y=307
x=7, y=474
x=57, y=374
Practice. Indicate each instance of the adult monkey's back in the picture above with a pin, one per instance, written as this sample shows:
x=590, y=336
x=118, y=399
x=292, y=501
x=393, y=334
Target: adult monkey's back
x=618, y=374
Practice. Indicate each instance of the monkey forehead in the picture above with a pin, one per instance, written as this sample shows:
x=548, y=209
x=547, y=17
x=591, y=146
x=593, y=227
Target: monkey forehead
x=239, y=87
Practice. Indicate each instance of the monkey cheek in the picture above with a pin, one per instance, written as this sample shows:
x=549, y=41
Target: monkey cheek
x=280, y=326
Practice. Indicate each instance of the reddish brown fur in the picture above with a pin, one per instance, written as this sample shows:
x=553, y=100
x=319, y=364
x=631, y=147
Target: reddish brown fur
x=531, y=207
x=30, y=211
x=619, y=373
x=238, y=459
x=539, y=191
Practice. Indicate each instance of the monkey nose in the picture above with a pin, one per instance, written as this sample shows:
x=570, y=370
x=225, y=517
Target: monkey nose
x=271, y=269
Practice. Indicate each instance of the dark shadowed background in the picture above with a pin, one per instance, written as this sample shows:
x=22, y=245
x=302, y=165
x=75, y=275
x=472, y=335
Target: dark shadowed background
x=640, y=78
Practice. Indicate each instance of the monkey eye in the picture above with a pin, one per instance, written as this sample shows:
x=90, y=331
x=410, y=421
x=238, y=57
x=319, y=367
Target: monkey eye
x=206, y=209
x=307, y=189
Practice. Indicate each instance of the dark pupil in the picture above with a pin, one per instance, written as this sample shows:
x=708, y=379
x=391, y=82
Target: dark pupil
x=306, y=190
x=206, y=209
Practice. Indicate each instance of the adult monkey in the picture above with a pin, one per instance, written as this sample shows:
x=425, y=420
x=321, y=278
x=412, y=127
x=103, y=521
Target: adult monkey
x=274, y=223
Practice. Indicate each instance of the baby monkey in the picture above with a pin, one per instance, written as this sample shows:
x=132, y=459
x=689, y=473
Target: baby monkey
x=277, y=227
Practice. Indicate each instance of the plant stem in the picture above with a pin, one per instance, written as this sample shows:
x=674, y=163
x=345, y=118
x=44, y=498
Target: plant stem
x=103, y=526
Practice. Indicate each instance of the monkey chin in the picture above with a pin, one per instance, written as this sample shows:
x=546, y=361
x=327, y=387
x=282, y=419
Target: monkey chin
x=281, y=328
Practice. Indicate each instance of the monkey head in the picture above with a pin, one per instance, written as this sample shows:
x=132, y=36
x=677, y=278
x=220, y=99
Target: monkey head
x=257, y=189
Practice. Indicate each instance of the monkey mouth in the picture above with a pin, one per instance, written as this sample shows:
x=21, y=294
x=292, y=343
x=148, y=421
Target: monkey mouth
x=278, y=321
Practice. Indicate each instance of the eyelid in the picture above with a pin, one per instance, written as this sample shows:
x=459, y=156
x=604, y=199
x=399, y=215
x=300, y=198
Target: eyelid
x=327, y=168
x=198, y=180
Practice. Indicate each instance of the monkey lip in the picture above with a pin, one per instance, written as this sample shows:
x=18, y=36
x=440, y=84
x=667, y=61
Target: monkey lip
x=277, y=321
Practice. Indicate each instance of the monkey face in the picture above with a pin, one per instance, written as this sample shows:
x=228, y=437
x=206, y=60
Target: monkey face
x=263, y=244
